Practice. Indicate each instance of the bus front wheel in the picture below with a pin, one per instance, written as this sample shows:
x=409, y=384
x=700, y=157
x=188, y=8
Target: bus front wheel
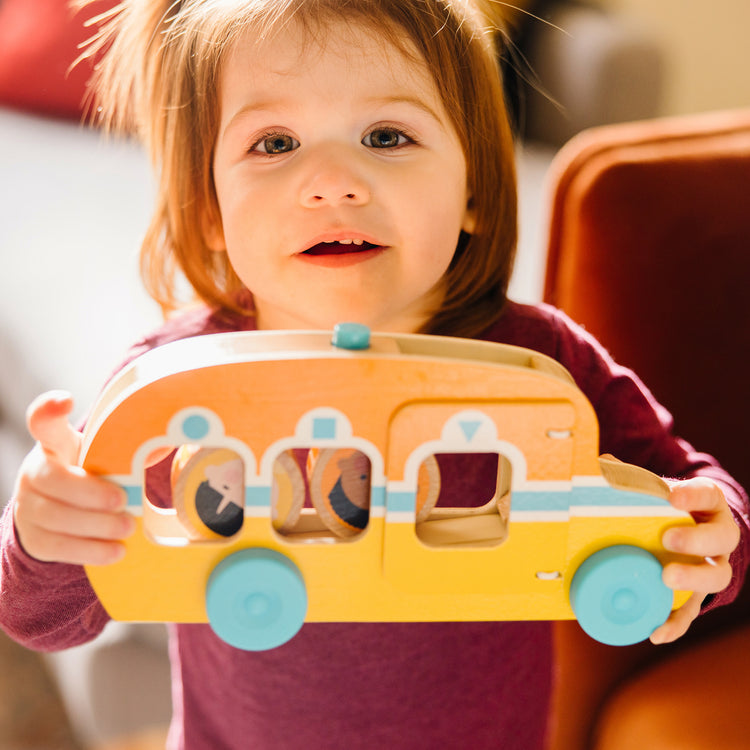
x=256, y=599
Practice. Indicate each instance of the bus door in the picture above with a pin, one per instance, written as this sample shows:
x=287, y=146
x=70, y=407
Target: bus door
x=478, y=494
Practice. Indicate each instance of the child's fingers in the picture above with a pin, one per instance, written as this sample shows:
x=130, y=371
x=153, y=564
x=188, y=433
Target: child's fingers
x=51, y=530
x=698, y=496
x=710, y=576
x=712, y=539
x=46, y=477
x=55, y=517
x=678, y=621
x=52, y=547
x=64, y=514
x=47, y=420
x=77, y=551
x=715, y=533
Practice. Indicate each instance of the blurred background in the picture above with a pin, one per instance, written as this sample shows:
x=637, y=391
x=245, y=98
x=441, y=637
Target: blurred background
x=706, y=56
x=73, y=208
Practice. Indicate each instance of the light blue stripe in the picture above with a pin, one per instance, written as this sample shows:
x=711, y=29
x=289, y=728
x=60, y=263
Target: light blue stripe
x=377, y=497
x=258, y=497
x=135, y=495
x=551, y=500
x=612, y=497
x=401, y=502
x=543, y=500
x=587, y=497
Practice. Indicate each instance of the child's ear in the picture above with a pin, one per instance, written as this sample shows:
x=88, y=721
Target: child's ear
x=469, y=224
x=213, y=231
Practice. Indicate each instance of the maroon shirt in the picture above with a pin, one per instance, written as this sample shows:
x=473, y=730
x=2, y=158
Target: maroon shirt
x=432, y=685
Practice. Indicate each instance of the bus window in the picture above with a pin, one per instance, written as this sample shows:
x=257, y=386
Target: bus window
x=321, y=494
x=473, y=500
x=194, y=493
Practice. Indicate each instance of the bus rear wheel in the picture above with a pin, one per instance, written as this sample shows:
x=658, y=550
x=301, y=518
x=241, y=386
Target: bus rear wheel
x=618, y=595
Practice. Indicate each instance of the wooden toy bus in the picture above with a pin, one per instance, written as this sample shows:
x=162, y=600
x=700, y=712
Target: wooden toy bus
x=305, y=486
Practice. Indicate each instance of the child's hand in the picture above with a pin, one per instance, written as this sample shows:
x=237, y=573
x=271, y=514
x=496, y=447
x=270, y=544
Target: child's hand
x=61, y=512
x=713, y=539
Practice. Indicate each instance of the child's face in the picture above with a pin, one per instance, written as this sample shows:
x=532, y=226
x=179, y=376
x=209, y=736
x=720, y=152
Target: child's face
x=340, y=180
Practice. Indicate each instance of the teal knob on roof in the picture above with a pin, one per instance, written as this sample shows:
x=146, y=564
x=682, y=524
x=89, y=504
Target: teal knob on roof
x=353, y=336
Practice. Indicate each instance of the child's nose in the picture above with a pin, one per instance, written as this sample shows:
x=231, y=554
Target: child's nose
x=333, y=180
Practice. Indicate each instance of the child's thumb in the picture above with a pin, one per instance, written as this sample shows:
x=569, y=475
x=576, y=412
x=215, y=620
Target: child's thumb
x=47, y=420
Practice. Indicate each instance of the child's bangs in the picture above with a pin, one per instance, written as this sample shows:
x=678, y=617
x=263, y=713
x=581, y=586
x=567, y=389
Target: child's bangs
x=436, y=40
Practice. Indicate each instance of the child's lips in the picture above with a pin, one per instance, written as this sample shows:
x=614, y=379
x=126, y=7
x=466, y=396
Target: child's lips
x=339, y=248
x=340, y=254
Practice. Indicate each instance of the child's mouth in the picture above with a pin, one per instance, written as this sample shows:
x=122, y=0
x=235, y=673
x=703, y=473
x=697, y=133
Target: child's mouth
x=339, y=247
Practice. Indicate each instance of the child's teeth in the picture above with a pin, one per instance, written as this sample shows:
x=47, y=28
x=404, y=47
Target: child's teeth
x=344, y=242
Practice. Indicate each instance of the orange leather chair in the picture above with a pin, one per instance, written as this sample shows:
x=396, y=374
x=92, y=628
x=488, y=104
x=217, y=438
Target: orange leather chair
x=649, y=248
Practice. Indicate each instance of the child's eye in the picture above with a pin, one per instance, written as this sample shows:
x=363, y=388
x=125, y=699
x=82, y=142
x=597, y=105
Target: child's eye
x=386, y=138
x=275, y=143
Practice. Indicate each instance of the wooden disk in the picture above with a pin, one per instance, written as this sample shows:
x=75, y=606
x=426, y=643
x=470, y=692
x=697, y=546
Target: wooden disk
x=208, y=491
x=340, y=489
x=288, y=492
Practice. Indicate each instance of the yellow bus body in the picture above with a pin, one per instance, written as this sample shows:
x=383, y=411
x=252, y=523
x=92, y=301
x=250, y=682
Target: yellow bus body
x=398, y=400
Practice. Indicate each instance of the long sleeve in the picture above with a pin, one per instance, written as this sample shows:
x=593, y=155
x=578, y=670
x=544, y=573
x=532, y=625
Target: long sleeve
x=51, y=606
x=44, y=606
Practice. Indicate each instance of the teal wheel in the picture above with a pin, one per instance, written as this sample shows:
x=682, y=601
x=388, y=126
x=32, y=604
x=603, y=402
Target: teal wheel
x=618, y=595
x=256, y=599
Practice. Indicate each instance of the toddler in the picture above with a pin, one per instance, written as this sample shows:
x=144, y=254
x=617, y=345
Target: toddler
x=321, y=161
